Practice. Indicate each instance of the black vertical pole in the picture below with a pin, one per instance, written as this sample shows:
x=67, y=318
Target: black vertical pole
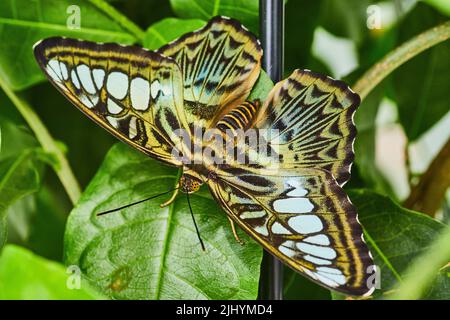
x=271, y=15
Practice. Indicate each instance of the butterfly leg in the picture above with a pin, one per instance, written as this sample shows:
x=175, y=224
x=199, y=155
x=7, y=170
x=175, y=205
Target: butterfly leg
x=172, y=198
x=233, y=228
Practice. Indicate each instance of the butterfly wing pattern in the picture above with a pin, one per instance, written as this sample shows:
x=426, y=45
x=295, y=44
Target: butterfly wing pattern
x=133, y=93
x=304, y=218
x=298, y=212
x=314, y=116
x=220, y=64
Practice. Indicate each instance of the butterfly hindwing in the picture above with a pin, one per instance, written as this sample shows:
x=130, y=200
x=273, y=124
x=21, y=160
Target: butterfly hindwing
x=133, y=93
x=304, y=218
x=314, y=116
x=220, y=64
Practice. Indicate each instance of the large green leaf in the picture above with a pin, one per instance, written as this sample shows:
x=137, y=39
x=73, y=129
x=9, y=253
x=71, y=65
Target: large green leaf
x=442, y=5
x=396, y=236
x=24, y=22
x=245, y=11
x=421, y=85
x=145, y=252
x=26, y=276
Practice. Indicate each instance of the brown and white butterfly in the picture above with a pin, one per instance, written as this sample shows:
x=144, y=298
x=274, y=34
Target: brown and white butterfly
x=297, y=211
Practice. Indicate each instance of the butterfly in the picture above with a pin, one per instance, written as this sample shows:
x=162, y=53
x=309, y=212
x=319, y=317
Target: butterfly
x=292, y=203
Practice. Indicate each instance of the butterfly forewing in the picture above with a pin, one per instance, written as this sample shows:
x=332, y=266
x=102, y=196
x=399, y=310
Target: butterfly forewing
x=304, y=218
x=133, y=93
x=220, y=64
x=314, y=117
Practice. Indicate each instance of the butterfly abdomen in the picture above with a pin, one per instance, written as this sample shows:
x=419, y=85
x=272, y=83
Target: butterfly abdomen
x=240, y=117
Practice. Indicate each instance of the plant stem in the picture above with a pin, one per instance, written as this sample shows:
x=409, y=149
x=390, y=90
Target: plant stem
x=400, y=55
x=119, y=18
x=61, y=167
x=426, y=196
x=425, y=269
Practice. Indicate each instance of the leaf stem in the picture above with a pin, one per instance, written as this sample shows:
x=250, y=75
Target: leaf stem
x=61, y=167
x=424, y=270
x=400, y=55
x=120, y=19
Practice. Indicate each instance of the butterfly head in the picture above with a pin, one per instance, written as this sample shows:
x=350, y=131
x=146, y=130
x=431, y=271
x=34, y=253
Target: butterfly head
x=190, y=182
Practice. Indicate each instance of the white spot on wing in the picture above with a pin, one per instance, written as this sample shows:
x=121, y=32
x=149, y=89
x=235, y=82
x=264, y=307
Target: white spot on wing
x=332, y=274
x=64, y=71
x=117, y=84
x=278, y=228
x=140, y=93
x=262, y=230
x=321, y=252
x=132, y=128
x=74, y=78
x=326, y=280
x=293, y=205
x=154, y=88
x=84, y=74
x=99, y=77
x=53, y=70
x=318, y=239
x=306, y=224
x=113, y=107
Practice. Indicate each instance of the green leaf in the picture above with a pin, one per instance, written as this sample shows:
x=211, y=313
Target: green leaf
x=16, y=137
x=26, y=276
x=145, y=252
x=395, y=236
x=19, y=177
x=261, y=88
x=37, y=222
x=246, y=11
x=423, y=270
x=23, y=23
x=299, y=36
x=423, y=98
x=169, y=29
x=345, y=19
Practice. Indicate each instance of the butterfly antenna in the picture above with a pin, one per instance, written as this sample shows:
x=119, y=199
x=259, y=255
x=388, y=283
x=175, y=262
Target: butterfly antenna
x=195, y=223
x=134, y=203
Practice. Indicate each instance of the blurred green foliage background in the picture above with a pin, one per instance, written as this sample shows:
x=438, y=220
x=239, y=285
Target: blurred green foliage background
x=402, y=153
